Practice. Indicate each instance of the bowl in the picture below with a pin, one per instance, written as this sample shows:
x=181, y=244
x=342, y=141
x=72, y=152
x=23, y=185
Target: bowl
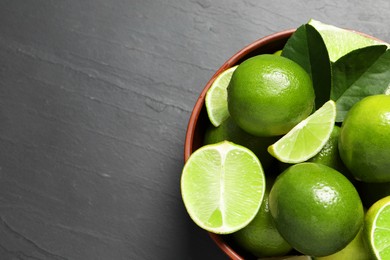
x=199, y=121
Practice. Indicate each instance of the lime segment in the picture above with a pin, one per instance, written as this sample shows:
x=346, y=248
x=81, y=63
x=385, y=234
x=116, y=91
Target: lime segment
x=339, y=41
x=377, y=226
x=222, y=187
x=216, y=97
x=307, y=138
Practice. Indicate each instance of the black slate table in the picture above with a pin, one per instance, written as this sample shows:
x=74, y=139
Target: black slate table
x=95, y=97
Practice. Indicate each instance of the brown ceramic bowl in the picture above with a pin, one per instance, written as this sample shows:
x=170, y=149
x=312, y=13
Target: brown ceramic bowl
x=199, y=121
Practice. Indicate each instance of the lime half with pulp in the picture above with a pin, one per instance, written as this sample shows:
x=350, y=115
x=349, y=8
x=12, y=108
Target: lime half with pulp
x=377, y=228
x=222, y=187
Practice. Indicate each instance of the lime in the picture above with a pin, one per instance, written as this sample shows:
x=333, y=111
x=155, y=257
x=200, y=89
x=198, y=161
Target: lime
x=260, y=237
x=230, y=131
x=364, y=141
x=269, y=94
x=307, y=138
x=216, y=97
x=222, y=187
x=339, y=41
x=329, y=154
x=377, y=228
x=289, y=257
x=316, y=209
x=356, y=250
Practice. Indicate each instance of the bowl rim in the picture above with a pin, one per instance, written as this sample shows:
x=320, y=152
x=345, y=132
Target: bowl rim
x=188, y=148
x=188, y=145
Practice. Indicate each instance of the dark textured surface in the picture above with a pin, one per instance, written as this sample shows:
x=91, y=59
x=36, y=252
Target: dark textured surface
x=94, y=102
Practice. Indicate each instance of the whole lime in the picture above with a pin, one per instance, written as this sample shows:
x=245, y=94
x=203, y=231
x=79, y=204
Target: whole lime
x=364, y=141
x=230, y=131
x=260, y=237
x=269, y=94
x=316, y=209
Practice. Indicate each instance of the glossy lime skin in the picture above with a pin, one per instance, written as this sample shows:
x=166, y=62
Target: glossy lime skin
x=269, y=94
x=364, y=141
x=316, y=209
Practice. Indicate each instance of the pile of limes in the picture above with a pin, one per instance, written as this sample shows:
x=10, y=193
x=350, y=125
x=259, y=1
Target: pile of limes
x=279, y=176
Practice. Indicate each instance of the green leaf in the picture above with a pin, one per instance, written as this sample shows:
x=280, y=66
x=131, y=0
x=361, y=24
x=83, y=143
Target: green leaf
x=297, y=49
x=307, y=48
x=358, y=74
x=349, y=68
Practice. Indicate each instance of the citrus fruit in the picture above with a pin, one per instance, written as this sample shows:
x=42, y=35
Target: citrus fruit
x=289, y=257
x=222, y=187
x=260, y=237
x=377, y=228
x=216, y=97
x=364, y=142
x=307, y=138
x=340, y=41
x=292, y=257
x=356, y=250
x=329, y=154
x=230, y=131
x=269, y=94
x=315, y=208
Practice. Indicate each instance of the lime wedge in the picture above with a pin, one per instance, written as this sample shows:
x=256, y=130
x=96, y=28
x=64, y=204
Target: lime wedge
x=377, y=228
x=216, y=97
x=222, y=187
x=339, y=41
x=307, y=138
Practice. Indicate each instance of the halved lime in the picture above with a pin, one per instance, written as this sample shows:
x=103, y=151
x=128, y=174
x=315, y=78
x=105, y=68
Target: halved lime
x=339, y=41
x=216, y=97
x=222, y=187
x=377, y=228
x=307, y=138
